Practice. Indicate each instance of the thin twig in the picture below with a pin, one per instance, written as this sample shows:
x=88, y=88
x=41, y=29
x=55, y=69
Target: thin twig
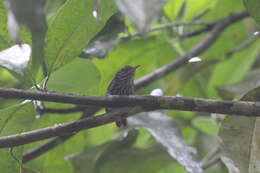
x=210, y=163
x=66, y=128
x=242, y=46
x=11, y=151
x=211, y=158
x=166, y=26
x=197, y=32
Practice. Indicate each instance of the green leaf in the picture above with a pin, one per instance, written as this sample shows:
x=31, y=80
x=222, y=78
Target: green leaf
x=206, y=125
x=141, y=12
x=172, y=168
x=253, y=7
x=182, y=78
x=149, y=53
x=233, y=70
x=7, y=162
x=106, y=39
x=78, y=77
x=13, y=120
x=193, y=7
x=71, y=28
x=236, y=90
x=164, y=130
x=173, y=7
x=235, y=131
x=5, y=40
x=118, y=156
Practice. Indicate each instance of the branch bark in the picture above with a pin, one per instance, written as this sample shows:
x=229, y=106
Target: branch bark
x=147, y=102
x=65, y=129
x=217, y=29
x=138, y=104
x=58, y=140
x=39, y=150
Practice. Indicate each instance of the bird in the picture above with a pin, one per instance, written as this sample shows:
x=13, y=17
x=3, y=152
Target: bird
x=122, y=84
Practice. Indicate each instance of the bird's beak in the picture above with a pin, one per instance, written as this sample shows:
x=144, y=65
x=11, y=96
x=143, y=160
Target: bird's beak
x=135, y=67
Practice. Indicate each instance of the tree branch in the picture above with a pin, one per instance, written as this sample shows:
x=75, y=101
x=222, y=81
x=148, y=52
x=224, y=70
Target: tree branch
x=39, y=150
x=147, y=102
x=66, y=128
x=139, y=104
x=211, y=158
x=210, y=163
x=197, y=32
x=218, y=28
x=52, y=143
x=242, y=45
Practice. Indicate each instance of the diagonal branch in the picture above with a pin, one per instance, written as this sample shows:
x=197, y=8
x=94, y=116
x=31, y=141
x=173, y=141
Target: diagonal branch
x=242, y=45
x=218, y=28
x=65, y=129
x=39, y=150
x=52, y=143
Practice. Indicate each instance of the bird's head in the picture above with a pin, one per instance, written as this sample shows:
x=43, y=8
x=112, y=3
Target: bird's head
x=126, y=73
x=128, y=70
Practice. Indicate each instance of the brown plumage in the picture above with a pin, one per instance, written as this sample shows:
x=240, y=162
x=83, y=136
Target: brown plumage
x=122, y=84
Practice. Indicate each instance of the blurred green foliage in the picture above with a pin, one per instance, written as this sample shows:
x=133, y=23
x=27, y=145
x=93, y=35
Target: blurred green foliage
x=71, y=26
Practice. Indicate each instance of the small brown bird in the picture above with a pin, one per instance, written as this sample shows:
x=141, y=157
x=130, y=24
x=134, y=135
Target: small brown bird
x=122, y=84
